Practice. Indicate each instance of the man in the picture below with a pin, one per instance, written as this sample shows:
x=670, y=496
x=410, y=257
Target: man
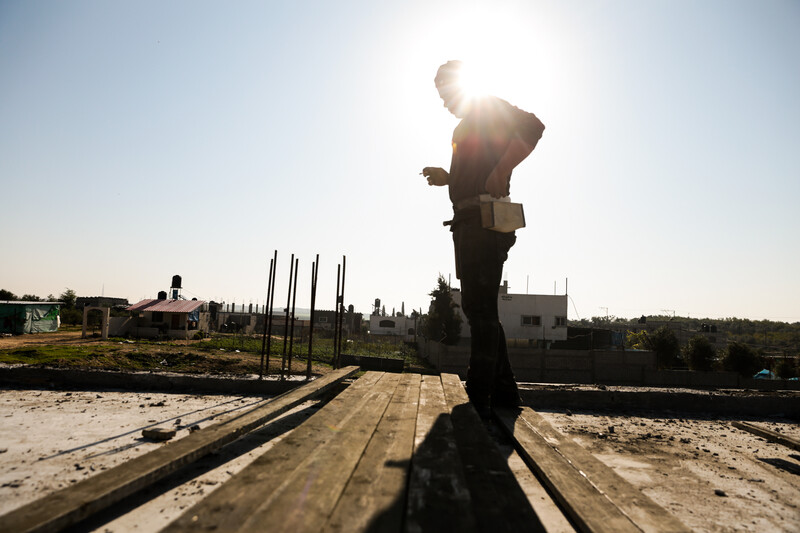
x=492, y=138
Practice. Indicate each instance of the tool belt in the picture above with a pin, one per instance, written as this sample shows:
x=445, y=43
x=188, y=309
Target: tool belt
x=501, y=215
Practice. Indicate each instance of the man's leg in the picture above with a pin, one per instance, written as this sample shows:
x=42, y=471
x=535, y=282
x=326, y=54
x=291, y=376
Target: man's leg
x=481, y=254
x=504, y=392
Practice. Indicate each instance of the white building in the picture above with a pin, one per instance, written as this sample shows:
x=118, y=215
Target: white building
x=537, y=318
x=396, y=326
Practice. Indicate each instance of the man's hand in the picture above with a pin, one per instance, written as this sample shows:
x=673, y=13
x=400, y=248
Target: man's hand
x=496, y=186
x=436, y=176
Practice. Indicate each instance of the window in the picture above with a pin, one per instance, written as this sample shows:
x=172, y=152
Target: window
x=323, y=320
x=386, y=323
x=561, y=321
x=531, y=320
x=158, y=316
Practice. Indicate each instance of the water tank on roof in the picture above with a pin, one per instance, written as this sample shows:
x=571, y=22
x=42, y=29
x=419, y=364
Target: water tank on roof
x=176, y=282
x=162, y=295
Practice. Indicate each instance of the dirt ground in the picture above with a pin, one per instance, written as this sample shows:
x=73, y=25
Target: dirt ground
x=68, y=337
x=710, y=475
x=52, y=439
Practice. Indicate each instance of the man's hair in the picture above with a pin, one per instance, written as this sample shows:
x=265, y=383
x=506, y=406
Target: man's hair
x=448, y=73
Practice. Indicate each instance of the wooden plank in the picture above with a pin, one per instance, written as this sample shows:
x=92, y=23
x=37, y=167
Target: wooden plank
x=438, y=495
x=586, y=506
x=227, y=508
x=499, y=502
x=74, y=503
x=374, y=499
x=637, y=506
x=768, y=434
x=307, y=497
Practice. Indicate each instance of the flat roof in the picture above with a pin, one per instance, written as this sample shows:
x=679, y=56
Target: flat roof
x=24, y=302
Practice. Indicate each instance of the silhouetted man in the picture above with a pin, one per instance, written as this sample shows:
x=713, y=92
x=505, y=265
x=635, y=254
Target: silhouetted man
x=492, y=138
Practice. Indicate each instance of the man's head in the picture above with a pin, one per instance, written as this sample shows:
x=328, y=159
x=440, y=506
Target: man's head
x=448, y=83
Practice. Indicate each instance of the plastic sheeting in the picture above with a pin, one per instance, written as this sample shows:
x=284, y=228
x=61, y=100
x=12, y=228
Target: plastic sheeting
x=29, y=317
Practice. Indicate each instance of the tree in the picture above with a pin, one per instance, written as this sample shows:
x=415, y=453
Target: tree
x=665, y=343
x=741, y=358
x=786, y=368
x=699, y=353
x=30, y=298
x=444, y=322
x=68, y=297
x=7, y=295
x=662, y=341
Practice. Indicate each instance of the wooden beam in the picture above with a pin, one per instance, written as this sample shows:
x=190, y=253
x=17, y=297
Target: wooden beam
x=500, y=503
x=588, y=508
x=229, y=507
x=768, y=434
x=637, y=506
x=307, y=498
x=438, y=494
x=72, y=504
x=374, y=499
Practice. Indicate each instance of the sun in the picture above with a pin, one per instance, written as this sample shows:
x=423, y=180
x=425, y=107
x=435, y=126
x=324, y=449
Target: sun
x=474, y=80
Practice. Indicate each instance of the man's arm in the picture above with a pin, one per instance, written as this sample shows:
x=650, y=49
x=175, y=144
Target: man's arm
x=436, y=176
x=497, y=182
x=529, y=130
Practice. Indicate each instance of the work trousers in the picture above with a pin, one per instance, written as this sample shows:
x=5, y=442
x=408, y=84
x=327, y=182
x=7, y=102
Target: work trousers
x=480, y=254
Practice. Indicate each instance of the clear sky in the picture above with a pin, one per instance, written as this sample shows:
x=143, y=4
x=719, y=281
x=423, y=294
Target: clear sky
x=144, y=139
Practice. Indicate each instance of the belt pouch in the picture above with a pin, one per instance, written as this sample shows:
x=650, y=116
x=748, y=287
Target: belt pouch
x=504, y=217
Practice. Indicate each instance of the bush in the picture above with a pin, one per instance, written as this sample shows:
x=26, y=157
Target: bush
x=699, y=353
x=662, y=341
x=786, y=368
x=741, y=358
x=71, y=316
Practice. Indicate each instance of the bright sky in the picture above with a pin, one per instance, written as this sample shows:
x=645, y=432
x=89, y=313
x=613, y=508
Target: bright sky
x=139, y=140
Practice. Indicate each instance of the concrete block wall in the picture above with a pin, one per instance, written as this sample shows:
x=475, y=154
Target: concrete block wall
x=613, y=367
x=118, y=326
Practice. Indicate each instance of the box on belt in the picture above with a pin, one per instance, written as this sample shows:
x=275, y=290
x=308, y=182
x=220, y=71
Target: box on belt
x=504, y=217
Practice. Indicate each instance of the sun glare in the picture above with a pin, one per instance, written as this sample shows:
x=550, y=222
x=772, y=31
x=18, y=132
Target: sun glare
x=474, y=81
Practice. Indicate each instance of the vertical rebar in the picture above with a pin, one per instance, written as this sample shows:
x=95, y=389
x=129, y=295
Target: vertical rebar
x=341, y=315
x=291, y=330
x=271, y=303
x=264, y=338
x=286, y=317
x=336, y=318
x=314, y=271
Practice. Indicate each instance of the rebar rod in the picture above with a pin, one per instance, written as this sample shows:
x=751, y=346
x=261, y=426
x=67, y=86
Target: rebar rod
x=314, y=272
x=291, y=329
x=336, y=317
x=266, y=305
x=271, y=303
x=341, y=315
x=286, y=316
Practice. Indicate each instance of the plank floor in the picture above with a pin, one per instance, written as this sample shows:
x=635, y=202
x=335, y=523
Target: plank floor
x=390, y=453
x=393, y=452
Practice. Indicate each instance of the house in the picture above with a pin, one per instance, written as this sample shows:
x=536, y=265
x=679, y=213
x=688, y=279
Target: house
x=29, y=317
x=177, y=319
x=396, y=326
x=537, y=319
